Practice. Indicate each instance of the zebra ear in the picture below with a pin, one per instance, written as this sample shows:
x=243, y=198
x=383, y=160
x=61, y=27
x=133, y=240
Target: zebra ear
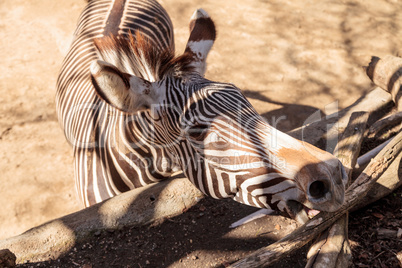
x=202, y=37
x=123, y=91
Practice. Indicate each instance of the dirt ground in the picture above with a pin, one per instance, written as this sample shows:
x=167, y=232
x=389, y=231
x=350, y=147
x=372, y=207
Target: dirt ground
x=201, y=238
x=291, y=58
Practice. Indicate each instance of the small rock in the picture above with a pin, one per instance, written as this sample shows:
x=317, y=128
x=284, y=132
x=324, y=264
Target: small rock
x=194, y=257
x=97, y=233
x=7, y=258
x=147, y=262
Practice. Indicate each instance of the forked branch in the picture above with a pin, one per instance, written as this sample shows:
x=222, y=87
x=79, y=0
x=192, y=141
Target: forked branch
x=332, y=248
x=355, y=194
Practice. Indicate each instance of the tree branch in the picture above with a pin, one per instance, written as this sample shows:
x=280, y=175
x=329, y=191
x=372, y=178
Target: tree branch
x=133, y=208
x=332, y=248
x=386, y=73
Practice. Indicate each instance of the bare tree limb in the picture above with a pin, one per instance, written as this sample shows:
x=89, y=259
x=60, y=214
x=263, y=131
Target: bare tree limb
x=356, y=192
x=386, y=73
x=132, y=208
x=386, y=184
x=391, y=120
x=332, y=248
x=348, y=148
x=363, y=160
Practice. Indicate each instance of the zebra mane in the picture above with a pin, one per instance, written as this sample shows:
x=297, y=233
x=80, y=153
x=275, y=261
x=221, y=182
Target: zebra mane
x=138, y=55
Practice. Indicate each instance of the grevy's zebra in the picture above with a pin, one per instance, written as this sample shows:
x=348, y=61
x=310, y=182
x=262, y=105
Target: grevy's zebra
x=135, y=114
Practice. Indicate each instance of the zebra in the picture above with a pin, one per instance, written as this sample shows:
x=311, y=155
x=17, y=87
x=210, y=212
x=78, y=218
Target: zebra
x=136, y=114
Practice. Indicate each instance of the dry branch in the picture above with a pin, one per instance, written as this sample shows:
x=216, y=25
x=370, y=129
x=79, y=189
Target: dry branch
x=391, y=120
x=132, y=208
x=386, y=184
x=363, y=160
x=332, y=248
x=348, y=148
x=386, y=73
x=355, y=194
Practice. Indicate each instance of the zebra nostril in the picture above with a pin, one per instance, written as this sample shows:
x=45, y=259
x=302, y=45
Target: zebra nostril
x=318, y=189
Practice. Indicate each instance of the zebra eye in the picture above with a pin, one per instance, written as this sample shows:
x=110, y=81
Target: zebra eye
x=198, y=132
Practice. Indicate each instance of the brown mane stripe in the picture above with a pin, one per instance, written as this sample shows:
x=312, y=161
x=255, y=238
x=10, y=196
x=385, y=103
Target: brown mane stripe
x=114, y=19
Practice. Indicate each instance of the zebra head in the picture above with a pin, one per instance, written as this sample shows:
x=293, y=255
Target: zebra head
x=209, y=130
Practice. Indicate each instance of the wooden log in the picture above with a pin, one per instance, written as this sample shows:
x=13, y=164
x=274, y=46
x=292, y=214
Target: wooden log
x=386, y=73
x=386, y=184
x=363, y=160
x=348, y=148
x=386, y=122
x=355, y=194
x=137, y=207
x=332, y=248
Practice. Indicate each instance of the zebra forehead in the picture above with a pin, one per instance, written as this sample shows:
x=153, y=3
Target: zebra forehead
x=137, y=54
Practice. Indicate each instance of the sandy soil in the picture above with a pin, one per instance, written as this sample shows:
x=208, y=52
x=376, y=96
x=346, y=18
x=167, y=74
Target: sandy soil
x=290, y=58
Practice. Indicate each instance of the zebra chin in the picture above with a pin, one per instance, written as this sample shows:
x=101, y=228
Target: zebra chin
x=322, y=195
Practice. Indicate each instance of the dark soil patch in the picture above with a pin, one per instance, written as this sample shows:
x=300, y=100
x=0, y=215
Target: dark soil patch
x=368, y=250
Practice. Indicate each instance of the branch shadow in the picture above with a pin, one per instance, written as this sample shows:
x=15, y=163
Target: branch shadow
x=289, y=116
